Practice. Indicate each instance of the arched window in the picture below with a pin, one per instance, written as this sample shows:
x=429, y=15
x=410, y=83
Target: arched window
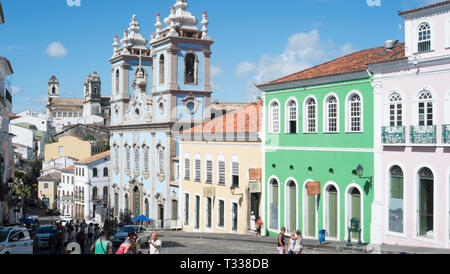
x=53, y=90
x=424, y=39
x=127, y=204
x=116, y=157
x=94, y=194
x=146, y=159
x=331, y=114
x=354, y=122
x=190, y=69
x=105, y=172
x=147, y=208
x=291, y=117
x=425, y=108
x=161, y=70
x=310, y=124
x=426, y=203
x=117, y=81
x=274, y=204
x=274, y=118
x=396, y=200
x=136, y=158
x=95, y=172
x=105, y=194
x=128, y=156
x=395, y=110
x=161, y=161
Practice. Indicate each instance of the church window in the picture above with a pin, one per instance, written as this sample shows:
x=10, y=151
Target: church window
x=160, y=160
x=190, y=69
x=53, y=90
x=128, y=156
x=146, y=160
x=161, y=69
x=117, y=81
x=136, y=158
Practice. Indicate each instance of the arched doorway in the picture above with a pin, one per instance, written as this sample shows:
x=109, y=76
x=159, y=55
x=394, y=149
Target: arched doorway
x=332, y=211
x=355, y=207
x=174, y=209
x=116, y=204
x=274, y=203
x=147, y=208
x=136, y=202
x=161, y=214
x=426, y=202
x=291, y=206
x=127, y=204
x=309, y=212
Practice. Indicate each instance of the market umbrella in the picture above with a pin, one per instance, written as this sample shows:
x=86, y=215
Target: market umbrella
x=142, y=218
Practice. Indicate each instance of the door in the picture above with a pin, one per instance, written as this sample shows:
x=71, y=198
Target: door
x=234, y=216
x=197, y=212
x=292, y=208
x=255, y=203
x=312, y=215
x=332, y=212
x=356, y=208
x=426, y=207
x=161, y=214
x=208, y=212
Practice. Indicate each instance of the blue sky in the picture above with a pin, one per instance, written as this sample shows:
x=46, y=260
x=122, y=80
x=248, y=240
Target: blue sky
x=255, y=40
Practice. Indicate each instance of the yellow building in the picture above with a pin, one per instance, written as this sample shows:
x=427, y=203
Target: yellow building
x=71, y=147
x=220, y=173
x=47, y=189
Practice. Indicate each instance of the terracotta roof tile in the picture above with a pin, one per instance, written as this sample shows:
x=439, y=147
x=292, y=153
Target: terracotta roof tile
x=250, y=114
x=95, y=157
x=435, y=5
x=68, y=169
x=355, y=62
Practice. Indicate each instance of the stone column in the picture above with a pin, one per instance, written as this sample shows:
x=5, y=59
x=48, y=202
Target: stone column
x=173, y=67
x=207, y=68
x=153, y=177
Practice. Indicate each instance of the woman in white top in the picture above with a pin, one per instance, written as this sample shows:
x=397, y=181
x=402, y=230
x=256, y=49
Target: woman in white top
x=298, y=243
x=292, y=242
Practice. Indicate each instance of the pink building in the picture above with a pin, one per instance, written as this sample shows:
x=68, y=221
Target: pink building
x=412, y=126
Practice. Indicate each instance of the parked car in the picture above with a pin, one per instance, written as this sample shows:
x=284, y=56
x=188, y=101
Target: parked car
x=44, y=233
x=122, y=234
x=15, y=240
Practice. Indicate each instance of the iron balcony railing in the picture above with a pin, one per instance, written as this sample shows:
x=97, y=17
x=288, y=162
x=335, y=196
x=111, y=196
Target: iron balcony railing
x=393, y=135
x=423, y=134
x=446, y=134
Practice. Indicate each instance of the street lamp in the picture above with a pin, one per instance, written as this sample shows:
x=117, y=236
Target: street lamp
x=360, y=172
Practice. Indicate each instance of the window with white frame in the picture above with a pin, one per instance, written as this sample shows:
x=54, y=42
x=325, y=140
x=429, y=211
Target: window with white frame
x=221, y=213
x=116, y=157
x=161, y=160
x=274, y=118
x=311, y=116
x=61, y=150
x=186, y=209
x=128, y=157
x=235, y=174
x=209, y=171
x=425, y=108
x=355, y=113
x=136, y=158
x=198, y=170
x=424, y=39
x=187, y=168
x=146, y=159
x=291, y=117
x=395, y=110
x=221, y=171
x=331, y=114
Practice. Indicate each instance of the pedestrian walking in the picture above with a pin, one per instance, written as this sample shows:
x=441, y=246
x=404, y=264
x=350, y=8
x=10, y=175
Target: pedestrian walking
x=90, y=233
x=259, y=225
x=155, y=244
x=96, y=232
x=298, y=243
x=102, y=246
x=81, y=239
x=281, y=248
x=59, y=247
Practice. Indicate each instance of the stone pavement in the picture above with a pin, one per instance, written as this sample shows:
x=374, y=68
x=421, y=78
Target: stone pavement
x=178, y=242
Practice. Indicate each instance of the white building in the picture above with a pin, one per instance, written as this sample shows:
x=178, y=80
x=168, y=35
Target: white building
x=92, y=179
x=65, y=191
x=56, y=164
x=41, y=121
x=23, y=137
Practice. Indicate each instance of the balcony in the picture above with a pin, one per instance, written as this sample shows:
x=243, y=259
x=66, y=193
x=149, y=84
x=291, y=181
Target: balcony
x=393, y=135
x=446, y=134
x=424, y=135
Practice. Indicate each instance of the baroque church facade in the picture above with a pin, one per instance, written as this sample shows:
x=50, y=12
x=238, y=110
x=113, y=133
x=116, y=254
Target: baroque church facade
x=159, y=87
x=93, y=108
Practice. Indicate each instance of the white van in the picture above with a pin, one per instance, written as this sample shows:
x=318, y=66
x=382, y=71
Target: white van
x=15, y=240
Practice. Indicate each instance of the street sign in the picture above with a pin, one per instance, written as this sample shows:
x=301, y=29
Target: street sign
x=255, y=187
x=313, y=188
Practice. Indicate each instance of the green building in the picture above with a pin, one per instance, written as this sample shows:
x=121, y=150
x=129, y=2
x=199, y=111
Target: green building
x=319, y=128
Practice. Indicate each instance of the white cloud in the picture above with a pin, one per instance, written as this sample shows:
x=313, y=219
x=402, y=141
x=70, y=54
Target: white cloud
x=215, y=73
x=15, y=90
x=302, y=51
x=56, y=50
x=244, y=68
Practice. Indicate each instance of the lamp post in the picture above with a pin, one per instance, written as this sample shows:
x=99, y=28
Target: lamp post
x=360, y=173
